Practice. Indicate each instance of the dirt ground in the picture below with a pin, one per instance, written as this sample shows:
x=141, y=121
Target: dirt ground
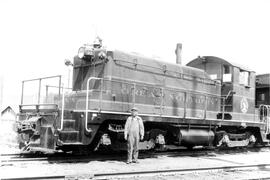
x=8, y=137
x=162, y=162
x=214, y=175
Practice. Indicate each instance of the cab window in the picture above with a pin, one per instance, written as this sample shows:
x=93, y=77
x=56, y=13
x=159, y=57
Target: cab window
x=244, y=78
x=261, y=97
x=227, y=74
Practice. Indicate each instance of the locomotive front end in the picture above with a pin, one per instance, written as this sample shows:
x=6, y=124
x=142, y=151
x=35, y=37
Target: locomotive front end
x=39, y=114
x=54, y=117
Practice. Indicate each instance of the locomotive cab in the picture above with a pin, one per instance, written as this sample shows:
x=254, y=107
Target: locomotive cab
x=263, y=100
x=262, y=89
x=238, y=86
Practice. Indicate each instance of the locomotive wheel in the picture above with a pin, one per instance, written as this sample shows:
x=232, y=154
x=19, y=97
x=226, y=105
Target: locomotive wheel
x=160, y=147
x=252, y=140
x=190, y=147
x=97, y=145
x=219, y=137
x=94, y=143
x=81, y=150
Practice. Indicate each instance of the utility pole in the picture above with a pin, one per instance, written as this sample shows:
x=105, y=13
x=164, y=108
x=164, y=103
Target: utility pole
x=68, y=76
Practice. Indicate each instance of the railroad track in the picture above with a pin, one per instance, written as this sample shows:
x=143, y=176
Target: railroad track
x=9, y=159
x=145, y=173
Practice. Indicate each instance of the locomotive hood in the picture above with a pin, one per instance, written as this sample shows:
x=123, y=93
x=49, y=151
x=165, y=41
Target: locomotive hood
x=156, y=66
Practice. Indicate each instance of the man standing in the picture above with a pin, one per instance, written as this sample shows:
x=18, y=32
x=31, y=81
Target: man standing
x=134, y=131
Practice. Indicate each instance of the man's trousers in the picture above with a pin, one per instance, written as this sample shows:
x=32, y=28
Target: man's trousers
x=133, y=145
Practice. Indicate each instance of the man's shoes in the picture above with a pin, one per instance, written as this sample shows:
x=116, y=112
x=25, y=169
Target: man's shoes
x=135, y=161
x=128, y=162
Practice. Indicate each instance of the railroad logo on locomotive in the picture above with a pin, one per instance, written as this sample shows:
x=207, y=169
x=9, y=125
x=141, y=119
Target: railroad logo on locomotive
x=244, y=105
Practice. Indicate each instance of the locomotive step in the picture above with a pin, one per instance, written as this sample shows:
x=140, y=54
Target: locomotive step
x=69, y=125
x=69, y=136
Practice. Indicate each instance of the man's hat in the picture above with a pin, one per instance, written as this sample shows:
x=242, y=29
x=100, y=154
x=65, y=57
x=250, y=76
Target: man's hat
x=134, y=109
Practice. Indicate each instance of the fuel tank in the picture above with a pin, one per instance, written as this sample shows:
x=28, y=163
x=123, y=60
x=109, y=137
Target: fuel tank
x=196, y=137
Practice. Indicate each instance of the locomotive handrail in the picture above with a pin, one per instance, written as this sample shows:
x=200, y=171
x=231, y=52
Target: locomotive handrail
x=262, y=111
x=267, y=119
x=37, y=106
x=205, y=107
x=229, y=94
x=162, y=100
x=185, y=104
x=265, y=116
x=39, y=86
x=87, y=99
x=62, y=111
x=223, y=107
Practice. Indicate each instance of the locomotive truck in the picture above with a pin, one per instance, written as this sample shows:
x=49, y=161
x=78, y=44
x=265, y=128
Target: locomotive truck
x=209, y=102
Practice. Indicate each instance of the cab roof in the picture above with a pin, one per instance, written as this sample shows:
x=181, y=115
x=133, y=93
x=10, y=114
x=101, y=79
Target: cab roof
x=213, y=59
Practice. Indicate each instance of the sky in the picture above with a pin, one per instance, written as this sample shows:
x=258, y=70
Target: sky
x=37, y=36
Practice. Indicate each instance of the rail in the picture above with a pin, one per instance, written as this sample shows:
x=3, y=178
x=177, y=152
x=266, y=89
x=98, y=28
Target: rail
x=145, y=174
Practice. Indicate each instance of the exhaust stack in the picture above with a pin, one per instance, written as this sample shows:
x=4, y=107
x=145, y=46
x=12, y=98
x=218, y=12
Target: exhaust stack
x=178, y=52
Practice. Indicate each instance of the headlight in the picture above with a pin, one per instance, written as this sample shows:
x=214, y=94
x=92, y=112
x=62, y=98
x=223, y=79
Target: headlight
x=101, y=55
x=85, y=51
x=81, y=52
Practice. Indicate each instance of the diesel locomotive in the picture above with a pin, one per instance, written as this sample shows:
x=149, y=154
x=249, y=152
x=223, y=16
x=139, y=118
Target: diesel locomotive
x=208, y=102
